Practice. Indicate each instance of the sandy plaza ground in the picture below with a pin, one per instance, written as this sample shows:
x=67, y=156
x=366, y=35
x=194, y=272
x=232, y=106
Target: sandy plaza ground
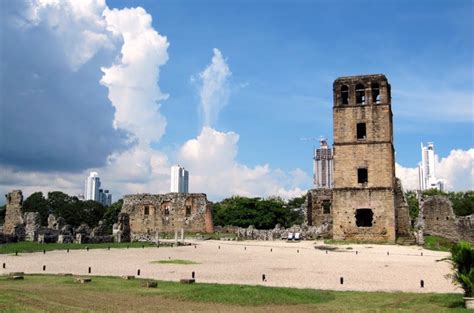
x=297, y=264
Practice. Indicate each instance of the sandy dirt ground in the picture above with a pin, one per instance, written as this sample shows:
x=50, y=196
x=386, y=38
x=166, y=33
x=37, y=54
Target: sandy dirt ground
x=296, y=264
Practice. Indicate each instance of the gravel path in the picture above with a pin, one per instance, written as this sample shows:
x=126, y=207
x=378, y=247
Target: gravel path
x=284, y=264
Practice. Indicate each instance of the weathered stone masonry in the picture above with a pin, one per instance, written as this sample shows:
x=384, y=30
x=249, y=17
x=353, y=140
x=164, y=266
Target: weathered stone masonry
x=166, y=213
x=364, y=168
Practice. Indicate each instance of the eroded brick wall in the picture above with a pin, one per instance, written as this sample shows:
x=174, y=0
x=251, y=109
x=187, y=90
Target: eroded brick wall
x=167, y=212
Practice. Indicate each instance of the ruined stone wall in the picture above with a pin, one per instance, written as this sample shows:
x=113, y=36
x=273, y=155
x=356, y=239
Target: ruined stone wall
x=438, y=219
x=381, y=202
x=402, y=213
x=150, y=214
x=13, y=225
x=465, y=226
x=319, y=208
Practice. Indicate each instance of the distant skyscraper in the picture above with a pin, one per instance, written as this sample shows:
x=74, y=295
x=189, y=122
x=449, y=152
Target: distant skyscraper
x=323, y=165
x=92, y=187
x=426, y=169
x=94, y=192
x=179, y=179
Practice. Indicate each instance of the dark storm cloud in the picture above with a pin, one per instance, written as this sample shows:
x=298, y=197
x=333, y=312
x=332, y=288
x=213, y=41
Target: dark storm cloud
x=51, y=117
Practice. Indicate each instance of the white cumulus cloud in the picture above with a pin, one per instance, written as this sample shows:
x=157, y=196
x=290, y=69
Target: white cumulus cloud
x=456, y=170
x=211, y=160
x=214, y=87
x=133, y=79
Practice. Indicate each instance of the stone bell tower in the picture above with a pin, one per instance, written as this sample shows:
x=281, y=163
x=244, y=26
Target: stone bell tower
x=364, y=165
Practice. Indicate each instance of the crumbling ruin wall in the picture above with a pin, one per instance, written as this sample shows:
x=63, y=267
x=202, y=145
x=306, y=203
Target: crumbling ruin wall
x=379, y=201
x=14, y=223
x=32, y=226
x=402, y=213
x=278, y=233
x=166, y=213
x=438, y=219
x=319, y=209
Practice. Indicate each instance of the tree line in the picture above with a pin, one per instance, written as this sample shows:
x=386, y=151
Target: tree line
x=462, y=201
x=74, y=211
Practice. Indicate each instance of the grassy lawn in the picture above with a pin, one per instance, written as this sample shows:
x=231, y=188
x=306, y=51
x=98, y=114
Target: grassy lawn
x=175, y=261
x=24, y=246
x=37, y=293
x=437, y=243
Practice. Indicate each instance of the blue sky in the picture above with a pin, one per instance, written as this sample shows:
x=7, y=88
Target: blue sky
x=287, y=55
x=59, y=118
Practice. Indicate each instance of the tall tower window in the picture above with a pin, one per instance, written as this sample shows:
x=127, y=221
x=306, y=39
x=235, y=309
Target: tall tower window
x=362, y=175
x=361, y=131
x=375, y=93
x=147, y=210
x=360, y=94
x=345, y=94
x=364, y=217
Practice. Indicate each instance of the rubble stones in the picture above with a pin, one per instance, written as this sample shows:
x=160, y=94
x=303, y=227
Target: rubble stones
x=121, y=229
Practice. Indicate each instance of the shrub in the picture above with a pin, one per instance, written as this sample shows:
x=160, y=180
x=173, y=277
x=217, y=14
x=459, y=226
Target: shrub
x=462, y=261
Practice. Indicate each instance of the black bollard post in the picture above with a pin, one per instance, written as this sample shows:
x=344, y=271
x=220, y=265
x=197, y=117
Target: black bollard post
x=245, y=248
x=44, y=268
x=108, y=248
x=4, y=265
x=194, y=246
x=219, y=247
x=326, y=251
x=138, y=273
x=271, y=249
x=264, y=278
x=143, y=246
x=90, y=269
x=421, y=253
x=16, y=252
x=298, y=251
x=67, y=250
x=44, y=251
x=192, y=275
x=357, y=252
x=422, y=283
x=341, y=280
x=388, y=253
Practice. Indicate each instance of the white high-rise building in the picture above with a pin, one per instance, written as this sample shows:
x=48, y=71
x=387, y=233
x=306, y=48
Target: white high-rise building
x=179, y=179
x=322, y=166
x=94, y=192
x=426, y=169
x=92, y=188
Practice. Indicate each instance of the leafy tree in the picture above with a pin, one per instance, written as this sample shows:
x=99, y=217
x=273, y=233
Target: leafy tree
x=111, y=214
x=463, y=202
x=36, y=202
x=413, y=205
x=262, y=213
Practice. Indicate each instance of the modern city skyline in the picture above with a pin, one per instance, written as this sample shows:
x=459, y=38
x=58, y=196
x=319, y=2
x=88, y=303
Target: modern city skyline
x=323, y=165
x=426, y=169
x=94, y=192
x=179, y=179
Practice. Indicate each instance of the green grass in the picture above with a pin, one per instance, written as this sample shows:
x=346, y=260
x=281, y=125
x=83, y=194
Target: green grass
x=24, y=247
x=437, y=243
x=175, y=261
x=59, y=293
